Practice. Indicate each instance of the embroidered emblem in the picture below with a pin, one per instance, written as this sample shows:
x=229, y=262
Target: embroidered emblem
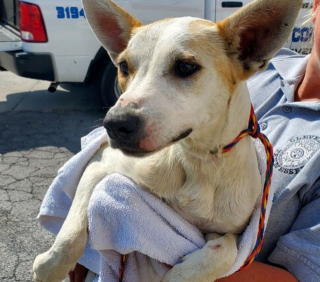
x=294, y=157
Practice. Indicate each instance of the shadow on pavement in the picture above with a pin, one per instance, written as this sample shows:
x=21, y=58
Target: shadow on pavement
x=79, y=97
x=22, y=131
x=39, y=132
x=33, y=146
x=36, y=118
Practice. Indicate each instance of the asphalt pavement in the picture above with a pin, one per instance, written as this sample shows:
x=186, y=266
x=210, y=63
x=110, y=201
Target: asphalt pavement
x=39, y=132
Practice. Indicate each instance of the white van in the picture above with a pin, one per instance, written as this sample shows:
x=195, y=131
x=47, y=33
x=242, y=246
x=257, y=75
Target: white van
x=51, y=40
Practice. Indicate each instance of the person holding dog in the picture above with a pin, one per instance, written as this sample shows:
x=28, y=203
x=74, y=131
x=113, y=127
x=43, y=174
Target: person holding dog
x=286, y=99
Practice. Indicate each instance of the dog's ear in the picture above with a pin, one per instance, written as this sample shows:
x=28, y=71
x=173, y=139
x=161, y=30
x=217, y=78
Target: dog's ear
x=111, y=24
x=256, y=32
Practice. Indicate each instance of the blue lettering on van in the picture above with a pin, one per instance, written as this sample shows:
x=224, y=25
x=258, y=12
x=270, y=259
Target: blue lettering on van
x=303, y=51
x=69, y=13
x=303, y=34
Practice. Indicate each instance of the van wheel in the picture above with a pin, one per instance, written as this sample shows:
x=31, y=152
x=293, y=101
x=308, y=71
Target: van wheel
x=110, y=90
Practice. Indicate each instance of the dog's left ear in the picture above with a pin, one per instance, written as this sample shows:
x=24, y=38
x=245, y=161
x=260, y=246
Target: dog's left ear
x=256, y=32
x=112, y=25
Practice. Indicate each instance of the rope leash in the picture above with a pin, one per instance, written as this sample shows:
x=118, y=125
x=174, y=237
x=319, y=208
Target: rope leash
x=122, y=265
x=253, y=131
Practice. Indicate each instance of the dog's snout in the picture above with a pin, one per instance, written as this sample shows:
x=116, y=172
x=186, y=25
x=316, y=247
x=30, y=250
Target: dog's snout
x=122, y=129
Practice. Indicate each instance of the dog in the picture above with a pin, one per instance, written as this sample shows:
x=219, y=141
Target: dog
x=184, y=98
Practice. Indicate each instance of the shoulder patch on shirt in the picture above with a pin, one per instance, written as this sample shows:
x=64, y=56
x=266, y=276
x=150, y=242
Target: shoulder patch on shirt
x=294, y=156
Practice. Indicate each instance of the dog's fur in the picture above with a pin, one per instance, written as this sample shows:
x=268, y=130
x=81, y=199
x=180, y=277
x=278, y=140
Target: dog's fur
x=170, y=127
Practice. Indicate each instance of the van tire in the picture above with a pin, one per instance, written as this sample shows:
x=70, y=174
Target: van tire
x=109, y=87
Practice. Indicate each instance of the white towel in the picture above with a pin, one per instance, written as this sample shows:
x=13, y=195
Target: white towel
x=123, y=218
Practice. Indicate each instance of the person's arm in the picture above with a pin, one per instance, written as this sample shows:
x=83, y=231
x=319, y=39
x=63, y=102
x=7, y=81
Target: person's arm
x=260, y=272
x=297, y=251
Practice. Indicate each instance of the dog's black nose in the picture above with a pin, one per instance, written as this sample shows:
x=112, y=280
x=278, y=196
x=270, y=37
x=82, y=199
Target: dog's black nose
x=122, y=128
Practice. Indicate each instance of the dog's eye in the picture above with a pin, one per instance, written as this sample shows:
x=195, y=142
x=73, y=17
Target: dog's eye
x=184, y=69
x=124, y=68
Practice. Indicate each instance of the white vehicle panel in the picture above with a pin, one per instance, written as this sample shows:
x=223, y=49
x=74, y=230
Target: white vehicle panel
x=302, y=35
x=153, y=10
x=70, y=39
x=226, y=8
x=10, y=46
x=73, y=45
x=300, y=39
x=9, y=40
x=72, y=56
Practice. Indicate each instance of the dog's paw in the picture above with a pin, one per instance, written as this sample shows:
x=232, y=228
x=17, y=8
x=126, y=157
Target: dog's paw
x=183, y=272
x=207, y=264
x=174, y=275
x=188, y=270
x=50, y=267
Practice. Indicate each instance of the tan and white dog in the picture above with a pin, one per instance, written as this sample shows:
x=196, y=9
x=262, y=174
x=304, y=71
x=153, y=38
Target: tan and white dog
x=184, y=98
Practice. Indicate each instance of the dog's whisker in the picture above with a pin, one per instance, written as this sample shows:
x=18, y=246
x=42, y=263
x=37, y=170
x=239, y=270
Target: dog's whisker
x=98, y=123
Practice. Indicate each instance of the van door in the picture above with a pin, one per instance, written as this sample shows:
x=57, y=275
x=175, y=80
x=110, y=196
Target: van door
x=301, y=39
x=226, y=8
x=152, y=10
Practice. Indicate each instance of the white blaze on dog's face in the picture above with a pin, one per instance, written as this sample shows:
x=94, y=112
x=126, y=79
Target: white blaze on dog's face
x=169, y=72
x=182, y=76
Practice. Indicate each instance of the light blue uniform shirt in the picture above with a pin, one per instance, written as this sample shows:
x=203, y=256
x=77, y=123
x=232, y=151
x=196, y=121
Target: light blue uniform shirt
x=292, y=237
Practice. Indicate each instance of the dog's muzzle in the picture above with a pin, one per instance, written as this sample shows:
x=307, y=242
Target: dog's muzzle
x=124, y=127
x=123, y=130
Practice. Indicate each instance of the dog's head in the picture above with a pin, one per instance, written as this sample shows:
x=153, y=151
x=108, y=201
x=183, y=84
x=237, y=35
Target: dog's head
x=179, y=75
